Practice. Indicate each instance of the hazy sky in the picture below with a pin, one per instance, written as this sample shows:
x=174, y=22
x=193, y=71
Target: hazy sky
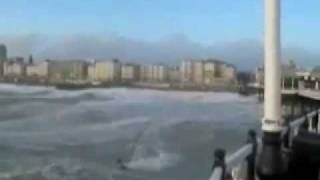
x=204, y=24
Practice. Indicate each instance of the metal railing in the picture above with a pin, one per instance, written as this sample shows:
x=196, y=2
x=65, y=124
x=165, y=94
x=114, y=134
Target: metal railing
x=223, y=166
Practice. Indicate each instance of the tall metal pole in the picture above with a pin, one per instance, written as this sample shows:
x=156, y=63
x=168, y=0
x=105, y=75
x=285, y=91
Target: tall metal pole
x=270, y=161
x=272, y=101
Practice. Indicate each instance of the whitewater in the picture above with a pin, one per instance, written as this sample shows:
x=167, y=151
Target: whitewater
x=50, y=134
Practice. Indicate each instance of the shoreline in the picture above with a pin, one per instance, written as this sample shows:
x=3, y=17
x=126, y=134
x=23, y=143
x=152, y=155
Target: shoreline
x=173, y=86
x=151, y=86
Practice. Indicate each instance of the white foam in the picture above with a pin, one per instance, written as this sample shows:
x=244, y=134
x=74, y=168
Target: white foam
x=23, y=89
x=126, y=95
x=154, y=163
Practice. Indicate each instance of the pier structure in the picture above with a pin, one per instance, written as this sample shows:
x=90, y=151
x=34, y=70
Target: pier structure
x=289, y=148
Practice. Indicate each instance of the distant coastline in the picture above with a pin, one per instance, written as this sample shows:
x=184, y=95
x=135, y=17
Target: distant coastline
x=133, y=85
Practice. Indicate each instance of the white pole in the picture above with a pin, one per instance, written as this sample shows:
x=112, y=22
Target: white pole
x=272, y=101
x=270, y=163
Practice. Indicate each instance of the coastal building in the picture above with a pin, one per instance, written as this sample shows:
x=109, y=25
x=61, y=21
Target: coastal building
x=228, y=72
x=67, y=70
x=92, y=72
x=210, y=71
x=198, y=72
x=174, y=74
x=40, y=70
x=3, y=52
x=161, y=73
x=259, y=76
x=130, y=72
x=150, y=73
x=3, y=57
x=143, y=73
x=108, y=71
x=14, y=67
x=186, y=71
x=154, y=73
x=207, y=72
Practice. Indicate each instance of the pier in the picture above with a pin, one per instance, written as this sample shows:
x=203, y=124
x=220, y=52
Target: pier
x=300, y=143
x=289, y=148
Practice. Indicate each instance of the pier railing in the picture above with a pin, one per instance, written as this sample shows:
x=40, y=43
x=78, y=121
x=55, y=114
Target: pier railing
x=226, y=168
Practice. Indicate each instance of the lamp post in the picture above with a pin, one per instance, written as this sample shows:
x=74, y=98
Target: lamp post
x=270, y=161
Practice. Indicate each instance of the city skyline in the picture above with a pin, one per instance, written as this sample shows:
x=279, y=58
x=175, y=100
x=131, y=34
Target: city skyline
x=162, y=31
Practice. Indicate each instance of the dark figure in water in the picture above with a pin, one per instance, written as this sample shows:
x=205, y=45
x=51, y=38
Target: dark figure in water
x=121, y=164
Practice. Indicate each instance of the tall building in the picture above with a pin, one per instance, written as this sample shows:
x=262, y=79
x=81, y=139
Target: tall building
x=92, y=72
x=210, y=71
x=154, y=73
x=174, y=74
x=186, y=71
x=39, y=70
x=108, y=71
x=14, y=67
x=143, y=73
x=198, y=72
x=3, y=52
x=130, y=72
x=228, y=72
x=67, y=70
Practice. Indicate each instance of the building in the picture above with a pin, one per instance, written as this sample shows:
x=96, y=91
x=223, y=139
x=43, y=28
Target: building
x=3, y=57
x=14, y=67
x=154, y=73
x=228, y=72
x=3, y=52
x=161, y=73
x=186, y=71
x=92, y=72
x=143, y=73
x=39, y=70
x=130, y=72
x=207, y=72
x=198, y=72
x=174, y=74
x=67, y=70
x=259, y=76
x=108, y=71
x=210, y=72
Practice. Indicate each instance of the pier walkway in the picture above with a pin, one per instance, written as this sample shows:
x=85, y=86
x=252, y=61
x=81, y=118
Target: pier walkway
x=310, y=94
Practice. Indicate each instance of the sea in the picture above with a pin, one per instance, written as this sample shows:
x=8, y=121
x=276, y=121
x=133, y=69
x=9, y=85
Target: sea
x=118, y=133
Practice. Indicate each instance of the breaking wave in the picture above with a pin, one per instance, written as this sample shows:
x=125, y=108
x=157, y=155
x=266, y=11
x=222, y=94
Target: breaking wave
x=61, y=170
x=101, y=125
x=124, y=95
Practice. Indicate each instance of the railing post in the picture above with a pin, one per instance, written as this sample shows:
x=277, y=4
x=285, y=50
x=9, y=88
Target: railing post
x=314, y=123
x=318, y=124
x=287, y=137
x=251, y=159
x=305, y=124
x=310, y=119
x=219, y=161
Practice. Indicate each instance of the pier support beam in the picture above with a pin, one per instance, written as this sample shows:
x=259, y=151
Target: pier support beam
x=271, y=164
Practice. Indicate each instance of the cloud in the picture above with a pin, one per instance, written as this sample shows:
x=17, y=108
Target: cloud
x=245, y=54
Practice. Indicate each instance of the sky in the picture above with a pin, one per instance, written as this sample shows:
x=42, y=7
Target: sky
x=139, y=27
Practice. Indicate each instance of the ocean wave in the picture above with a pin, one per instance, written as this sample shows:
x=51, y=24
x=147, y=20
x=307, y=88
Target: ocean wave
x=24, y=89
x=154, y=163
x=151, y=157
x=60, y=170
x=124, y=95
